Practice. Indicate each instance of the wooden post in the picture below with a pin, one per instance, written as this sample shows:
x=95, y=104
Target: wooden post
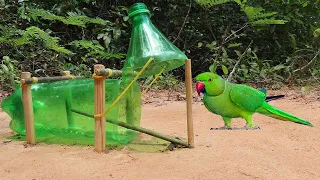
x=188, y=80
x=99, y=107
x=28, y=110
x=68, y=103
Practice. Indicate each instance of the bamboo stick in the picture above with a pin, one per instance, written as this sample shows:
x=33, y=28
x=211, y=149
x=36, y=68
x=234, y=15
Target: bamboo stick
x=68, y=103
x=188, y=79
x=99, y=106
x=139, y=129
x=28, y=110
x=48, y=79
x=108, y=72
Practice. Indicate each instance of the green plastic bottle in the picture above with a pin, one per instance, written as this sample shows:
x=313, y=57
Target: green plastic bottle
x=56, y=123
x=148, y=42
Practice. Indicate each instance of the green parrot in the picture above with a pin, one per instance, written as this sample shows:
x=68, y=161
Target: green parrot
x=231, y=100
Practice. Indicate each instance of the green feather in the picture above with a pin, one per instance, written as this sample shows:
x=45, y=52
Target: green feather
x=273, y=112
x=247, y=97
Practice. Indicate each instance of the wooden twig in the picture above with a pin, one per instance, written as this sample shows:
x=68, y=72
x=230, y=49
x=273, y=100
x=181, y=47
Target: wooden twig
x=184, y=22
x=139, y=129
x=309, y=63
x=227, y=38
x=314, y=76
x=238, y=62
x=48, y=79
x=222, y=42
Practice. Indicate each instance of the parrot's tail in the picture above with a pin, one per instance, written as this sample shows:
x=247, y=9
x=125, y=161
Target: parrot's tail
x=271, y=111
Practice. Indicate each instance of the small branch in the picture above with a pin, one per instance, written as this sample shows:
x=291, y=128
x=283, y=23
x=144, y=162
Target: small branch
x=314, y=76
x=244, y=26
x=184, y=22
x=310, y=62
x=237, y=64
x=222, y=42
x=227, y=38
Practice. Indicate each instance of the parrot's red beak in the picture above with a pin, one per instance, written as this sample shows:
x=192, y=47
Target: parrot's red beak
x=200, y=87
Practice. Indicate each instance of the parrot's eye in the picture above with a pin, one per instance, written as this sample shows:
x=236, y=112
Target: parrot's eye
x=210, y=80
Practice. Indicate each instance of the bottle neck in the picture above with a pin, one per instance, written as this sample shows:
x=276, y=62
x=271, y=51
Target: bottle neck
x=140, y=18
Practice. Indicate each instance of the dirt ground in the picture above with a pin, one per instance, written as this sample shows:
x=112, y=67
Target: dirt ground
x=279, y=150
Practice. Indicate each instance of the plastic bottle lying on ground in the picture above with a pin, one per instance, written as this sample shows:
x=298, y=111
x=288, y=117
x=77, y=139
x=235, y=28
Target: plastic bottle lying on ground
x=56, y=122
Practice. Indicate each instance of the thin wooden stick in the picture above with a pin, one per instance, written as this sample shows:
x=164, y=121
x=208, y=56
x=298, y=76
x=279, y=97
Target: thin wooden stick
x=188, y=79
x=68, y=103
x=99, y=106
x=139, y=129
x=237, y=63
x=28, y=110
x=48, y=79
x=154, y=80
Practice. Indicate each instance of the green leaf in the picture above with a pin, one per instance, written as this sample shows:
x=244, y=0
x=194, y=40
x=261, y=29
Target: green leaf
x=4, y=68
x=306, y=89
x=238, y=53
x=316, y=33
x=209, y=3
x=278, y=67
x=100, y=36
x=2, y=3
x=298, y=20
x=6, y=58
x=260, y=65
x=262, y=74
x=11, y=67
x=305, y=4
x=107, y=41
x=293, y=41
x=116, y=33
x=234, y=45
x=267, y=21
x=200, y=44
x=213, y=68
x=224, y=69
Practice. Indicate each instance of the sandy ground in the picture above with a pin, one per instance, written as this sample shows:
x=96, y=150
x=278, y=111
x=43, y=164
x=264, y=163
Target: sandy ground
x=279, y=150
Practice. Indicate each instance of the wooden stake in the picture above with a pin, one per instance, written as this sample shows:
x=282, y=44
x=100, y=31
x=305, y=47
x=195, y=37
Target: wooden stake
x=188, y=79
x=99, y=107
x=68, y=103
x=28, y=110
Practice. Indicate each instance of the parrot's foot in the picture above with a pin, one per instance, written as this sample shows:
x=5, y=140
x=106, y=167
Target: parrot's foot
x=222, y=128
x=250, y=128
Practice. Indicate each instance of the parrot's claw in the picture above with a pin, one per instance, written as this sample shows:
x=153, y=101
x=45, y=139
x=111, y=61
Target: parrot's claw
x=222, y=128
x=250, y=128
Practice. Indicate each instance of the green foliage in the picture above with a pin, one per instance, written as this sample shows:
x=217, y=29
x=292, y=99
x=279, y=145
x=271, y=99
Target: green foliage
x=94, y=50
x=29, y=36
x=316, y=33
x=209, y=3
x=8, y=73
x=255, y=15
x=165, y=81
x=72, y=19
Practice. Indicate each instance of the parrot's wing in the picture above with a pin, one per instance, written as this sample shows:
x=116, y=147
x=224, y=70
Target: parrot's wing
x=247, y=97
